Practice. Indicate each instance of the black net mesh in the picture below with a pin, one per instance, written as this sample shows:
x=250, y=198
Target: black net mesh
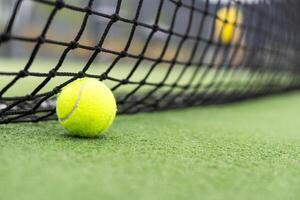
x=153, y=54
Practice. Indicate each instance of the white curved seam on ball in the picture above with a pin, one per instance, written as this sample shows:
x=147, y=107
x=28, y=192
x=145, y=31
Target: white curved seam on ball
x=75, y=105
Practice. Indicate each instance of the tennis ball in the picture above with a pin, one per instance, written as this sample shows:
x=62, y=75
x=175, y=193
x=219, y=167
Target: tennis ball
x=225, y=30
x=86, y=107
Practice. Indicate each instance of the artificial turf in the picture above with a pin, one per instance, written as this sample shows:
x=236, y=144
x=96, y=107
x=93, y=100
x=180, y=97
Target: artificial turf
x=249, y=150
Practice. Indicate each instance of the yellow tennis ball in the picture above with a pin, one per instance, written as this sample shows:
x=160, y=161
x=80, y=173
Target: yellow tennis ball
x=225, y=30
x=86, y=107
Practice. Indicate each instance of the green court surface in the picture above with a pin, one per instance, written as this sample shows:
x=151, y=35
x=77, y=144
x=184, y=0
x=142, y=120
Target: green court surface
x=230, y=79
x=248, y=150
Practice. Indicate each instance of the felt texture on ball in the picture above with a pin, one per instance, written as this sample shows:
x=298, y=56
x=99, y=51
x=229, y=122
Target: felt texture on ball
x=86, y=107
x=227, y=25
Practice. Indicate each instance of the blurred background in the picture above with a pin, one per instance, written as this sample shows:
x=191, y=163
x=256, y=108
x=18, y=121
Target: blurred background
x=32, y=18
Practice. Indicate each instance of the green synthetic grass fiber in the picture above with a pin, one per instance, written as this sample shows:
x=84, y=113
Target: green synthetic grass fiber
x=249, y=150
